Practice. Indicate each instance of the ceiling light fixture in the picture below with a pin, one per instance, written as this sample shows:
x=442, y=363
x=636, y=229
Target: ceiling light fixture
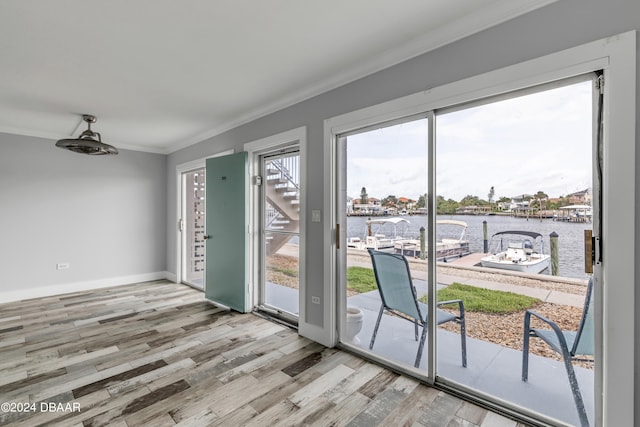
x=89, y=142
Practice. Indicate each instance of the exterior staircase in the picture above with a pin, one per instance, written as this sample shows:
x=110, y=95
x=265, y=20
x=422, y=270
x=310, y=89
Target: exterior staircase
x=282, y=190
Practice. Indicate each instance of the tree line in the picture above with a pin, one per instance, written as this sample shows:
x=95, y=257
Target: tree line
x=540, y=200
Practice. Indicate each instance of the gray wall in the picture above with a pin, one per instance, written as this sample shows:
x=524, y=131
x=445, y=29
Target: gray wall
x=105, y=215
x=562, y=25
x=559, y=26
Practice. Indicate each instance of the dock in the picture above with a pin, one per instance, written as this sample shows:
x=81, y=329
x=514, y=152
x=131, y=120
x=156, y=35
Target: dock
x=471, y=260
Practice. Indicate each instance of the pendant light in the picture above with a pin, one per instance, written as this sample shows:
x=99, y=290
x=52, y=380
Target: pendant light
x=89, y=142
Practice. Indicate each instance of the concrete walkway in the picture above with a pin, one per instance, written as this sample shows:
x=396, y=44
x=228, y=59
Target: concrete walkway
x=546, y=295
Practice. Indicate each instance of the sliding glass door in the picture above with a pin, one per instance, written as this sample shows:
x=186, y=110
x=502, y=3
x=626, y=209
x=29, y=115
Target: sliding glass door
x=383, y=186
x=486, y=205
x=518, y=170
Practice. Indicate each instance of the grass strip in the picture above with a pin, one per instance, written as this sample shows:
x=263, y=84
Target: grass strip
x=361, y=279
x=485, y=300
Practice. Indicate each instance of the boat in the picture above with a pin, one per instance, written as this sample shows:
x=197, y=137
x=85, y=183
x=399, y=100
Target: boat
x=390, y=235
x=516, y=251
x=576, y=213
x=381, y=234
x=450, y=247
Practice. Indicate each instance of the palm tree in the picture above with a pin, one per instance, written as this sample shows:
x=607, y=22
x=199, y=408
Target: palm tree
x=539, y=197
x=364, y=197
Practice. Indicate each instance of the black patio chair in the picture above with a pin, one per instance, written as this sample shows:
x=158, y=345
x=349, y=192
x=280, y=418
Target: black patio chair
x=399, y=297
x=571, y=345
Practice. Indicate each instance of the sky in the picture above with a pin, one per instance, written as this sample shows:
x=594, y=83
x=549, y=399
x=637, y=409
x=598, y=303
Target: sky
x=536, y=142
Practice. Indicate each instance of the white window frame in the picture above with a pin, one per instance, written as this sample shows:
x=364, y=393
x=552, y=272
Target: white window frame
x=617, y=57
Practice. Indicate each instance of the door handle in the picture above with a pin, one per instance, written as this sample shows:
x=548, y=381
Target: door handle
x=206, y=236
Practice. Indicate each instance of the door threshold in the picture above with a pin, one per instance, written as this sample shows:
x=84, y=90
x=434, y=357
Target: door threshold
x=276, y=316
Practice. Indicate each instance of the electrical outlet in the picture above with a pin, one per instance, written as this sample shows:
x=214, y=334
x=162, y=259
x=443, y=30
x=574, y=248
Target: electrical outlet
x=315, y=300
x=63, y=266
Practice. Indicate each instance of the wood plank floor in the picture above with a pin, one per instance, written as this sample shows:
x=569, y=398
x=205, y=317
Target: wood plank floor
x=157, y=354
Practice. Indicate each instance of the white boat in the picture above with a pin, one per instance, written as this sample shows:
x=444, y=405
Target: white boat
x=450, y=247
x=390, y=234
x=381, y=234
x=516, y=252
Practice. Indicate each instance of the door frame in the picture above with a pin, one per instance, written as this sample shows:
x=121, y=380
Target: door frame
x=255, y=150
x=617, y=57
x=180, y=208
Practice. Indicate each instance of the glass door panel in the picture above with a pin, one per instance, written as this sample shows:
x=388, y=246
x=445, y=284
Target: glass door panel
x=193, y=227
x=522, y=162
x=282, y=272
x=384, y=176
x=281, y=233
x=518, y=173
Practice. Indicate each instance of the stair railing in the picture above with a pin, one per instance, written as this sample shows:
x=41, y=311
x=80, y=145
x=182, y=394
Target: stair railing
x=271, y=214
x=289, y=167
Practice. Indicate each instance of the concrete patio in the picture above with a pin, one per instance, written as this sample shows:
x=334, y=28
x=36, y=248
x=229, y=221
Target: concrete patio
x=491, y=369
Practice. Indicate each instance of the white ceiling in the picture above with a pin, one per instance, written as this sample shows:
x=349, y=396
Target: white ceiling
x=164, y=74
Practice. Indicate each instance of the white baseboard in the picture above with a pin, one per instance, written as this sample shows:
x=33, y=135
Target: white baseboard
x=65, y=288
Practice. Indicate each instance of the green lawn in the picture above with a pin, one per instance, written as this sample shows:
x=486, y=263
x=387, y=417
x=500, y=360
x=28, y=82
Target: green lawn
x=361, y=279
x=286, y=271
x=485, y=300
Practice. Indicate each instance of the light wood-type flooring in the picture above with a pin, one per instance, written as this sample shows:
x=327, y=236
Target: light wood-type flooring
x=157, y=354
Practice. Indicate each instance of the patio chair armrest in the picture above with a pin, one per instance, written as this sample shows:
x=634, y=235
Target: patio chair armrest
x=453, y=301
x=529, y=313
x=554, y=326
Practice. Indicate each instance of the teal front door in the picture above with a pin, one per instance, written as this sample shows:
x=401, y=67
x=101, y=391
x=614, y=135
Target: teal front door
x=226, y=231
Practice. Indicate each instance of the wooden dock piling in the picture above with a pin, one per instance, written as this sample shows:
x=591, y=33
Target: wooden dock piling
x=555, y=265
x=486, y=236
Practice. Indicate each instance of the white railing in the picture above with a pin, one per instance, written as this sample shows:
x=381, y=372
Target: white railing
x=288, y=169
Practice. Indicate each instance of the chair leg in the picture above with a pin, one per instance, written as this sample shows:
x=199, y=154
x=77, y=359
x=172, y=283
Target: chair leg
x=525, y=358
x=375, y=330
x=577, y=396
x=463, y=342
x=525, y=348
x=421, y=345
x=415, y=324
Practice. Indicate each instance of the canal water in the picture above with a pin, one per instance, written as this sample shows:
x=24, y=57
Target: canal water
x=570, y=240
